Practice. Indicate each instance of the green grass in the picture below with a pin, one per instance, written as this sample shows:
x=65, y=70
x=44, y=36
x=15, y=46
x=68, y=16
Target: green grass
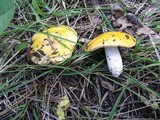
x=30, y=91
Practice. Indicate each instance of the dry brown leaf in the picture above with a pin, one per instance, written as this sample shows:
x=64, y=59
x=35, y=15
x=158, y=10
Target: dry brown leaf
x=107, y=85
x=144, y=30
x=116, y=7
x=154, y=38
x=123, y=21
x=84, y=40
x=95, y=20
x=95, y=3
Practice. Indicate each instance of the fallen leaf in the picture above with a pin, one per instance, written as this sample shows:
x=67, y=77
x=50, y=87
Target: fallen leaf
x=123, y=21
x=156, y=38
x=62, y=106
x=107, y=85
x=144, y=30
x=60, y=113
x=116, y=7
x=84, y=40
x=154, y=104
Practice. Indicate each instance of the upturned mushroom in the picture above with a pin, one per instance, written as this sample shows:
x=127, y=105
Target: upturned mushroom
x=110, y=41
x=54, y=45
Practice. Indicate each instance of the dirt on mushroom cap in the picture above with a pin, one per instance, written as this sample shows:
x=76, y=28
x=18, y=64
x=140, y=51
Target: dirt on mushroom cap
x=114, y=38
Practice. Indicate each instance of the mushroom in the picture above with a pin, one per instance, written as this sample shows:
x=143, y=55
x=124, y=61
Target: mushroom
x=54, y=45
x=110, y=41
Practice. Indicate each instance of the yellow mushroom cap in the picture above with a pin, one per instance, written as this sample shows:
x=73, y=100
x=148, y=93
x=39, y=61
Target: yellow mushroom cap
x=114, y=39
x=54, y=48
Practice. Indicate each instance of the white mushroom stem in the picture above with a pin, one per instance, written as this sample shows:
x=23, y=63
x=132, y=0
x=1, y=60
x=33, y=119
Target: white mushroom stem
x=114, y=60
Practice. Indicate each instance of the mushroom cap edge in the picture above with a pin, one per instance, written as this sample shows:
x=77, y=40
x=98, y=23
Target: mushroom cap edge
x=114, y=38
